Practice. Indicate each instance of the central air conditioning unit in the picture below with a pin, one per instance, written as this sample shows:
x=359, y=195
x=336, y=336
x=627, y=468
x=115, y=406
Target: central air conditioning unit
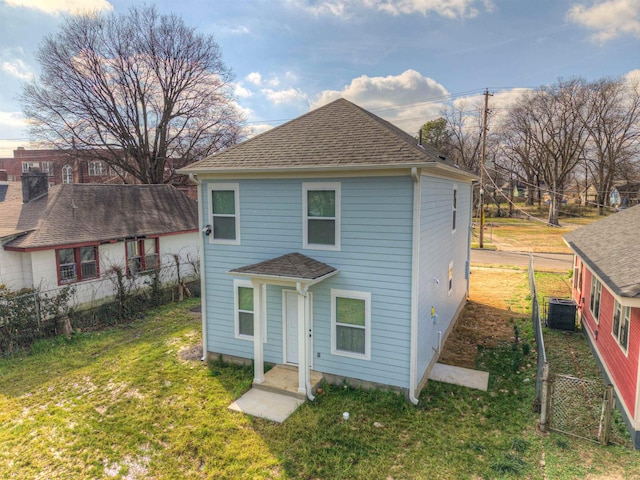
x=562, y=314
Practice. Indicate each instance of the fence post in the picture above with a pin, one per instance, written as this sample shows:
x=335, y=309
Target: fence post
x=544, y=397
x=608, y=415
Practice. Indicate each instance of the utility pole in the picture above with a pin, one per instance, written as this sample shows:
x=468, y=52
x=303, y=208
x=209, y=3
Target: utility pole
x=482, y=162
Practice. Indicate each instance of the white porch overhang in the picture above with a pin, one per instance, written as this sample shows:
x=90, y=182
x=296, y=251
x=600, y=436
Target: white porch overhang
x=291, y=270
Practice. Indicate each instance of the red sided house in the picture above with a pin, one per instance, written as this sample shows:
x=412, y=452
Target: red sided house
x=606, y=287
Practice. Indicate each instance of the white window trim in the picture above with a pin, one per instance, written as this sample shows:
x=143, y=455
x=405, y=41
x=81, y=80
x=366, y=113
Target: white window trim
x=454, y=208
x=329, y=186
x=236, y=311
x=595, y=292
x=625, y=315
x=366, y=296
x=450, y=279
x=236, y=193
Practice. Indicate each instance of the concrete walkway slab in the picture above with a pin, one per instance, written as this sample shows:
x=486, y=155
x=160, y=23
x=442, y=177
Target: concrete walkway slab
x=460, y=376
x=264, y=404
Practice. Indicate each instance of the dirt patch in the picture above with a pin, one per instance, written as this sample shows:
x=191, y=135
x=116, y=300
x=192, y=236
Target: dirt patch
x=192, y=353
x=496, y=300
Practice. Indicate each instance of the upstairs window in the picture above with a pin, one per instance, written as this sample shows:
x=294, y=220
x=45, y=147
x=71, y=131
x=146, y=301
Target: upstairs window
x=47, y=167
x=77, y=264
x=455, y=208
x=97, y=168
x=321, y=215
x=594, y=302
x=224, y=213
x=26, y=166
x=142, y=256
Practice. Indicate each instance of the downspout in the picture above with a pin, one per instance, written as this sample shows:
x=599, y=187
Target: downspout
x=415, y=278
x=203, y=283
x=304, y=291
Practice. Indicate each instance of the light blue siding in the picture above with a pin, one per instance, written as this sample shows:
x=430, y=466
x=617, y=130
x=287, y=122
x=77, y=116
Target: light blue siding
x=440, y=245
x=375, y=257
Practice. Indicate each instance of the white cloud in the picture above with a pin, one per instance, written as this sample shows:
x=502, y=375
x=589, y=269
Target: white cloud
x=289, y=95
x=17, y=68
x=258, y=129
x=609, y=18
x=445, y=8
x=12, y=120
x=242, y=92
x=255, y=78
x=54, y=7
x=407, y=100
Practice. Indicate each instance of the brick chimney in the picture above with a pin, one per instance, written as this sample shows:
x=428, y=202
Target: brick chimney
x=34, y=184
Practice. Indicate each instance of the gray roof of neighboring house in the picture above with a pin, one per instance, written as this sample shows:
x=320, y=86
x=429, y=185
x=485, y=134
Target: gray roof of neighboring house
x=337, y=135
x=291, y=265
x=611, y=249
x=79, y=213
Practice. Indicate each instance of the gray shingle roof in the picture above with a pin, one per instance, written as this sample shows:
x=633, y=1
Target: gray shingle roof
x=80, y=213
x=610, y=247
x=291, y=265
x=337, y=135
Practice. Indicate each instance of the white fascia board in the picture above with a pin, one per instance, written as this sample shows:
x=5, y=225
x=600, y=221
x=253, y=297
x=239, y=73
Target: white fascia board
x=282, y=280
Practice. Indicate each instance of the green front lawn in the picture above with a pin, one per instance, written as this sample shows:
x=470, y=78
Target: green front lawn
x=124, y=403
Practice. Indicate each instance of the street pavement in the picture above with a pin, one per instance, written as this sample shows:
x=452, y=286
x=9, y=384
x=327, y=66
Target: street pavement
x=541, y=261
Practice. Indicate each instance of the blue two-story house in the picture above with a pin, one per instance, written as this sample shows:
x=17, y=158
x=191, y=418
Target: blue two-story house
x=335, y=243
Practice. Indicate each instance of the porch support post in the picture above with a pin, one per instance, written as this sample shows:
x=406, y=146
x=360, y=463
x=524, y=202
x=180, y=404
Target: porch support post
x=258, y=351
x=302, y=345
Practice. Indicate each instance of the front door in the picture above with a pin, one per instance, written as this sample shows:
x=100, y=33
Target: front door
x=291, y=325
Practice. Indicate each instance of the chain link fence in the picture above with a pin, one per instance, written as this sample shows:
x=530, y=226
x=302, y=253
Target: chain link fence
x=580, y=407
x=113, y=299
x=583, y=408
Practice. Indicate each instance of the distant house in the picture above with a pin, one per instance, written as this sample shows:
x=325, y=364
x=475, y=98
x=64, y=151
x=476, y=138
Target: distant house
x=334, y=243
x=606, y=287
x=625, y=196
x=74, y=233
x=61, y=167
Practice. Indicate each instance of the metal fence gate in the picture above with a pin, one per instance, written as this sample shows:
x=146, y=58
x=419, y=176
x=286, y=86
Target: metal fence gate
x=581, y=407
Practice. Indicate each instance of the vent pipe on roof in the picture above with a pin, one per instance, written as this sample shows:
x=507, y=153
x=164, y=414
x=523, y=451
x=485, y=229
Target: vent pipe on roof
x=420, y=137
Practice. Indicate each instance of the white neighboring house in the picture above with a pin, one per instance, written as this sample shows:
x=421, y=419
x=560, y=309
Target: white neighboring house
x=75, y=234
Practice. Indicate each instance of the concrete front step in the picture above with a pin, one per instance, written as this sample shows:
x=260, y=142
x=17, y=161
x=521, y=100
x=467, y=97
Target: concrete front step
x=283, y=379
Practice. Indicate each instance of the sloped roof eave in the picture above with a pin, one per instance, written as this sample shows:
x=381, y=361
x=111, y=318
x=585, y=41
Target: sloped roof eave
x=429, y=165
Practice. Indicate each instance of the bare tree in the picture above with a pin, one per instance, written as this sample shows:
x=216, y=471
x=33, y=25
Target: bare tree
x=612, y=120
x=465, y=128
x=141, y=91
x=552, y=119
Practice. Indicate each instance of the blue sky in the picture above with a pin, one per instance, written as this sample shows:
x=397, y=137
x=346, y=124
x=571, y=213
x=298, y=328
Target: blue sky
x=401, y=59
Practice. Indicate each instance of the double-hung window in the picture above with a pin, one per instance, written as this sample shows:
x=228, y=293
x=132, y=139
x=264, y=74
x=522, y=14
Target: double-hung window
x=454, y=208
x=67, y=174
x=351, y=324
x=620, y=326
x=77, y=264
x=142, y=255
x=594, y=302
x=243, y=301
x=97, y=167
x=321, y=215
x=224, y=213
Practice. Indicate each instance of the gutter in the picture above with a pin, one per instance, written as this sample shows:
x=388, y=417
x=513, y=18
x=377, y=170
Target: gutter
x=203, y=283
x=446, y=170
x=415, y=279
